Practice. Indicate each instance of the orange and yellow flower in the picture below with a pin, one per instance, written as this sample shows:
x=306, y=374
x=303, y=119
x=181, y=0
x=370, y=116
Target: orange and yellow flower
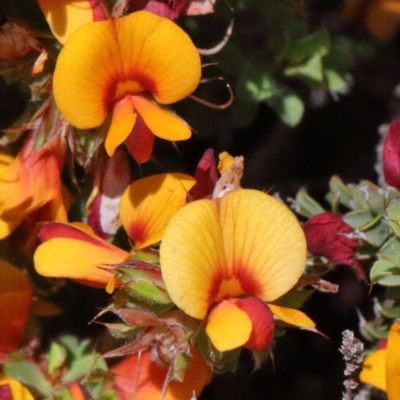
x=222, y=259
x=146, y=207
x=124, y=71
x=65, y=16
x=74, y=251
x=381, y=369
x=30, y=186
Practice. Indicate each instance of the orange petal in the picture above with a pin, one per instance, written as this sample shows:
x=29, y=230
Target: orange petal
x=148, y=204
x=228, y=326
x=104, y=61
x=393, y=362
x=191, y=255
x=122, y=122
x=244, y=243
x=143, y=379
x=265, y=247
x=18, y=391
x=82, y=254
x=292, y=316
x=161, y=123
x=29, y=183
x=373, y=371
x=15, y=299
x=65, y=16
x=6, y=228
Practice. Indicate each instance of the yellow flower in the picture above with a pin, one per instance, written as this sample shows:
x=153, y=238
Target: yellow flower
x=65, y=16
x=382, y=368
x=120, y=68
x=223, y=259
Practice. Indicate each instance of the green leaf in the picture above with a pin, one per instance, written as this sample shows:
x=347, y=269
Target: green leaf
x=317, y=43
x=393, y=212
x=334, y=81
x=56, y=357
x=73, y=346
x=84, y=365
x=288, y=106
x=311, y=70
x=255, y=84
x=385, y=273
x=305, y=205
x=28, y=374
x=375, y=228
x=339, y=193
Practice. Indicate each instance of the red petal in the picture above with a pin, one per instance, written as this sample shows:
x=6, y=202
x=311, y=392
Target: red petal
x=206, y=177
x=262, y=320
x=140, y=142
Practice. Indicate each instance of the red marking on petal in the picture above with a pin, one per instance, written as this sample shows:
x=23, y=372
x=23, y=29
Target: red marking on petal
x=140, y=142
x=249, y=284
x=146, y=83
x=138, y=231
x=58, y=230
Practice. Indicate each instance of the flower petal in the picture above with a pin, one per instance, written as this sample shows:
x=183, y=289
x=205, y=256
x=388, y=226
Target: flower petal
x=148, y=204
x=150, y=378
x=102, y=62
x=264, y=244
x=122, y=122
x=162, y=123
x=82, y=254
x=262, y=321
x=393, y=362
x=244, y=243
x=292, y=316
x=192, y=255
x=15, y=299
x=374, y=371
x=65, y=16
x=18, y=391
x=228, y=326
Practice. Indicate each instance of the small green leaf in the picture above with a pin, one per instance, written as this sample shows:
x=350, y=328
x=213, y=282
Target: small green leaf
x=334, y=81
x=84, y=365
x=305, y=205
x=393, y=212
x=311, y=70
x=317, y=43
x=29, y=375
x=56, y=357
x=288, y=106
x=385, y=273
